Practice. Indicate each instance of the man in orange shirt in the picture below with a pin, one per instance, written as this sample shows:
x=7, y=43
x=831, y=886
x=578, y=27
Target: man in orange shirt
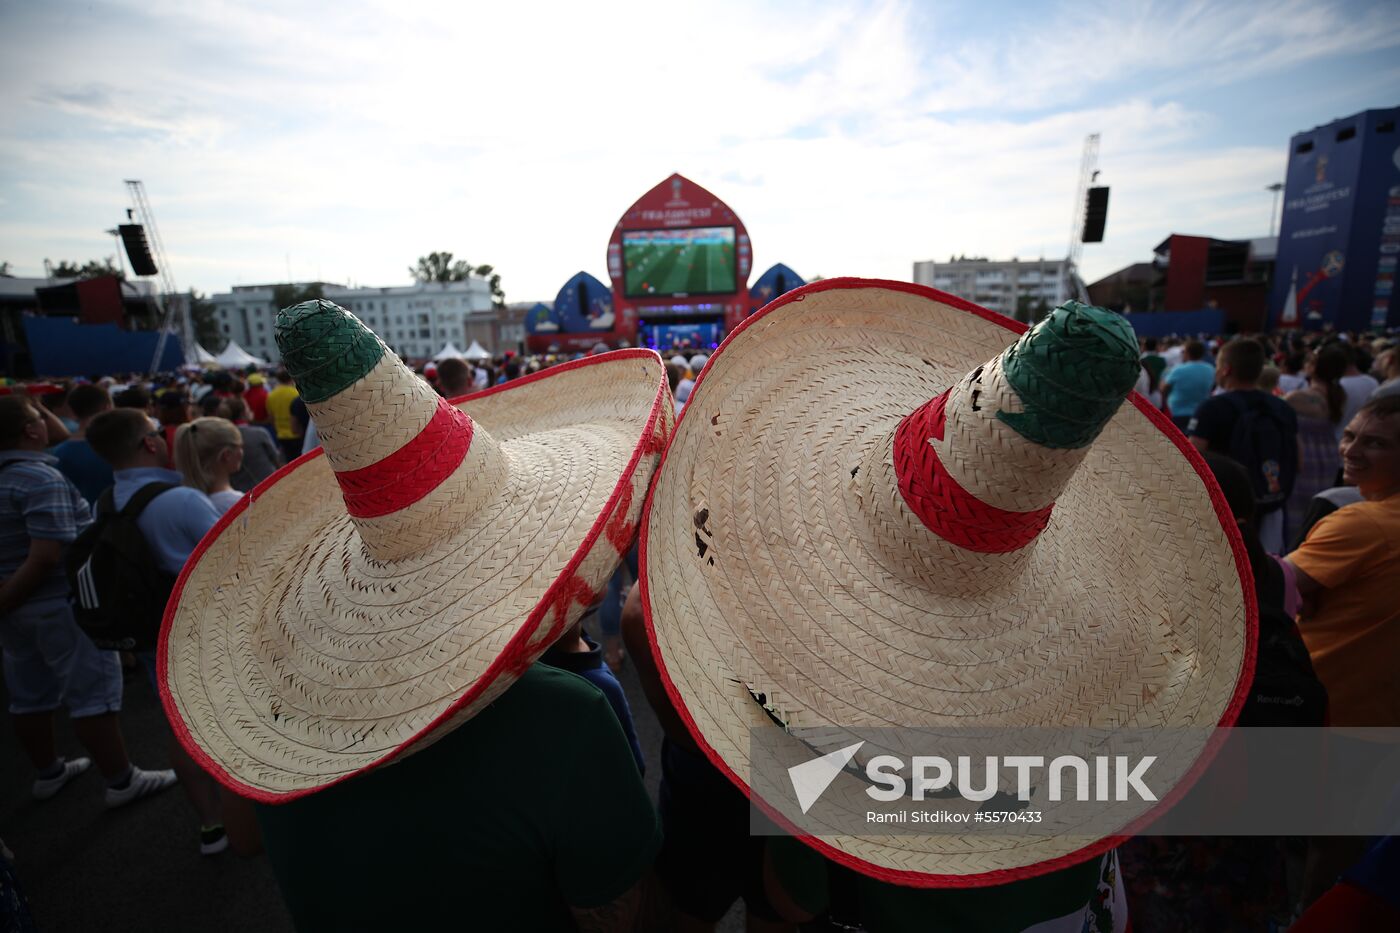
x=1348, y=568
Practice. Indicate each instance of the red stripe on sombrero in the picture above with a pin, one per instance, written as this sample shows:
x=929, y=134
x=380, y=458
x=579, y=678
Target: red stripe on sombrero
x=414, y=470
x=945, y=508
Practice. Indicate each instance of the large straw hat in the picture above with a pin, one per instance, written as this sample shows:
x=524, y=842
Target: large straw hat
x=881, y=508
x=381, y=590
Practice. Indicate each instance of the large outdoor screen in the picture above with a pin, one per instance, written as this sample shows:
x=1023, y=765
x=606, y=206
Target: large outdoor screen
x=691, y=261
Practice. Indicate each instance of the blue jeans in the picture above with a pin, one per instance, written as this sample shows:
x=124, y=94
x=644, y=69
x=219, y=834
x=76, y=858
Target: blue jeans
x=49, y=662
x=610, y=613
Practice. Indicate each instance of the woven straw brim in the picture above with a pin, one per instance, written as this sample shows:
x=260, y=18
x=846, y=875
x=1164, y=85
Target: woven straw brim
x=764, y=572
x=290, y=659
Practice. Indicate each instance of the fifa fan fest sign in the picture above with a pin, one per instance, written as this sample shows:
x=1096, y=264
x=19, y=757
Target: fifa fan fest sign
x=1339, y=240
x=679, y=261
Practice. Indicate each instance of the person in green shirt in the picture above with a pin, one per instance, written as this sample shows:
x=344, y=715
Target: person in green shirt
x=394, y=748
x=530, y=816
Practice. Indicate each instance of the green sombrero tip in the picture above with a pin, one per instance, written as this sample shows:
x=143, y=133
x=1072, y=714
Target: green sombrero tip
x=325, y=348
x=1072, y=371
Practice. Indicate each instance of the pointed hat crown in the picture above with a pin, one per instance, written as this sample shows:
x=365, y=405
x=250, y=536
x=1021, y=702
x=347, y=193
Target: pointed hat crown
x=410, y=466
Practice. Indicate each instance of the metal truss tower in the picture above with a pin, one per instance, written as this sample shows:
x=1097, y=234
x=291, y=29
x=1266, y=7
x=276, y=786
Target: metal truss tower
x=169, y=302
x=1088, y=171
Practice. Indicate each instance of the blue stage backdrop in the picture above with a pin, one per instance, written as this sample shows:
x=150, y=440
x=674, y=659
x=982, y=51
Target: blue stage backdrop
x=1339, y=240
x=1178, y=323
x=584, y=304
x=778, y=280
x=60, y=346
x=541, y=320
x=668, y=337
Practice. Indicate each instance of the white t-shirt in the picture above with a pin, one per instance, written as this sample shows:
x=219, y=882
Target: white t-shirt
x=225, y=500
x=1143, y=384
x=1359, y=389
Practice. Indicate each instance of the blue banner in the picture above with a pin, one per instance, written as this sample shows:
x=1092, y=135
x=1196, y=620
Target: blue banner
x=60, y=346
x=1339, y=238
x=1178, y=323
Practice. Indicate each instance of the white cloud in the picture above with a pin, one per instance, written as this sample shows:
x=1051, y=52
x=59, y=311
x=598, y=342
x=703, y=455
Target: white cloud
x=342, y=141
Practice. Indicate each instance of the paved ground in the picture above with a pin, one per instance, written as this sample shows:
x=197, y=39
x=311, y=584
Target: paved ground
x=139, y=868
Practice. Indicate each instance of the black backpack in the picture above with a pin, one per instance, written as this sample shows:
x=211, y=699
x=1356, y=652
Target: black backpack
x=1285, y=690
x=1262, y=444
x=118, y=589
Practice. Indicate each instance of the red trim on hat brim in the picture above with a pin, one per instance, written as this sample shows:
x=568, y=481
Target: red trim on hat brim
x=914, y=879
x=512, y=661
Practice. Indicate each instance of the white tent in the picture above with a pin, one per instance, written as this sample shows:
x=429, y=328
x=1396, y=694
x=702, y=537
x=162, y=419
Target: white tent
x=448, y=352
x=235, y=357
x=476, y=352
x=200, y=357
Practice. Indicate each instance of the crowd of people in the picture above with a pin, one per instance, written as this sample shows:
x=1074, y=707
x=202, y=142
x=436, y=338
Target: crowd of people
x=1302, y=432
x=1295, y=428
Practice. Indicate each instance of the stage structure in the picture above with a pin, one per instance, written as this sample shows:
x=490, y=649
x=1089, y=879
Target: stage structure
x=1339, y=242
x=147, y=254
x=679, y=260
x=1090, y=212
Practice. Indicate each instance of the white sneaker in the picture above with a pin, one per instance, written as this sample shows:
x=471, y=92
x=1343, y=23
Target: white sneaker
x=44, y=788
x=142, y=784
x=212, y=840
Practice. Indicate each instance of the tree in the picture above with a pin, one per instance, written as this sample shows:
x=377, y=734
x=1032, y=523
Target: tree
x=493, y=279
x=206, y=328
x=439, y=267
x=88, y=270
x=284, y=296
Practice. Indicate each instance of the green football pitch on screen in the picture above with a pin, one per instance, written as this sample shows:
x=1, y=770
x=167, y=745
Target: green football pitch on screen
x=695, y=261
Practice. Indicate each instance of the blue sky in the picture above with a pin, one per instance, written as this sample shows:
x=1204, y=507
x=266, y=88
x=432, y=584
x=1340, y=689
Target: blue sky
x=341, y=141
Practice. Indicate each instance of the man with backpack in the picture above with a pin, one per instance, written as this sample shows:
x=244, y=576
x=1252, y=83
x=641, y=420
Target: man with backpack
x=48, y=661
x=148, y=524
x=1253, y=428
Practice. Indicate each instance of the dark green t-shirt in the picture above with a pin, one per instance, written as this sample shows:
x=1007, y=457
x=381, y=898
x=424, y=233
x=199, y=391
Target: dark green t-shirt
x=531, y=806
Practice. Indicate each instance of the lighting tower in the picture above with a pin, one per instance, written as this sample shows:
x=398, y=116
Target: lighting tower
x=1088, y=171
x=169, y=302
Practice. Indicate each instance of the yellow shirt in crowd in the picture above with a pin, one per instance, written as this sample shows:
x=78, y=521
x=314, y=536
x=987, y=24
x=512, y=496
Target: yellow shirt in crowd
x=279, y=409
x=1353, y=631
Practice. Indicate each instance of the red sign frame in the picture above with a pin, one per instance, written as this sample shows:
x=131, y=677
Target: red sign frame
x=679, y=203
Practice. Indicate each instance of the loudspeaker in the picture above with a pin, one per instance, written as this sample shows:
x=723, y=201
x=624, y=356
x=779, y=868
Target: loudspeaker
x=137, y=249
x=1095, y=215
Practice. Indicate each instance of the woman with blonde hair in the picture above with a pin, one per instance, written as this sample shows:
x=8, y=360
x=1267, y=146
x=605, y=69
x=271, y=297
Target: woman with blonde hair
x=207, y=452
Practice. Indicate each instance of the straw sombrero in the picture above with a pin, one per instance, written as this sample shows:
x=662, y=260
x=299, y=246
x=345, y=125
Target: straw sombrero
x=379, y=591
x=882, y=508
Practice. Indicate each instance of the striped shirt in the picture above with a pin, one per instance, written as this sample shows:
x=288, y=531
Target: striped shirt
x=37, y=501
